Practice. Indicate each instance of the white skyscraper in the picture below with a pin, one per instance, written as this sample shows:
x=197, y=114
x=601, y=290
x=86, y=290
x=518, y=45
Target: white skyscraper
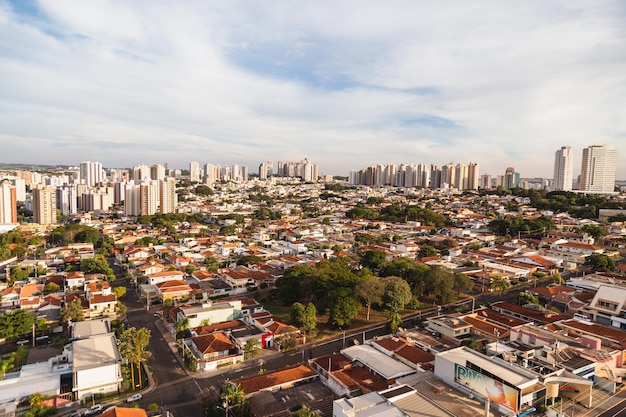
x=597, y=172
x=563, y=169
x=91, y=173
x=194, y=171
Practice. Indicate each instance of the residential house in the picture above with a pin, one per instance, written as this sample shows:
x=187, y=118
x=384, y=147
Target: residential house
x=214, y=350
x=175, y=290
x=210, y=312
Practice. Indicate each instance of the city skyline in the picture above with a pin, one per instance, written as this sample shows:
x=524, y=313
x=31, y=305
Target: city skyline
x=394, y=83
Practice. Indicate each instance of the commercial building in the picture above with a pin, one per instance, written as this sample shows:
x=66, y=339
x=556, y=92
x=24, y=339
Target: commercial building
x=513, y=390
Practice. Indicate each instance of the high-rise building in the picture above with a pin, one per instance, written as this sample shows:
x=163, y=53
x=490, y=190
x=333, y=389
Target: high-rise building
x=511, y=179
x=157, y=172
x=597, y=173
x=91, y=173
x=168, y=196
x=194, y=171
x=563, y=169
x=67, y=199
x=44, y=205
x=8, y=203
x=435, y=177
x=473, y=176
x=141, y=199
x=460, y=177
x=141, y=173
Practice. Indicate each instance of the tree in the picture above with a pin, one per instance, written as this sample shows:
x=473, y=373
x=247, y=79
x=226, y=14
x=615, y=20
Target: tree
x=190, y=269
x=5, y=365
x=50, y=288
x=182, y=328
x=600, y=262
x=427, y=251
x=595, y=231
x=153, y=408
x=18, y=274
x=370, y=290
x=394, y=322
x=119, y=291
x=344, y=308
x=37, y=407
x=133, y=343
x=233, y=396
x=97, y=265
x=251, y=348
x=556, y=278
x=310, y=318
x=374, y=259
x=397, y=294
x=16, y=323
x=297, y=314
x=462, y=282
x=524, y=298
x=500, y=285
x=211, y=263
x=73, y=311
x=305, y=412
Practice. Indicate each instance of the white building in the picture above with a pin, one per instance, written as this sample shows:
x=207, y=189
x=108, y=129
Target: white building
x=563, y=169
x=597, y=173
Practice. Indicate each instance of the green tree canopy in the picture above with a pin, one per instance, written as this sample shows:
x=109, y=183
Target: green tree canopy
x=16, y=323
x=397, y=294
x=394, y=322
x=96, y=265
x=370, y=290
x=73, y=311
x=344, y=308
x=373, y=259
x=600, y=262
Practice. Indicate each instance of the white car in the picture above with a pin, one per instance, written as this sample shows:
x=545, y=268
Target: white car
x=133, y=398
x=93, y=410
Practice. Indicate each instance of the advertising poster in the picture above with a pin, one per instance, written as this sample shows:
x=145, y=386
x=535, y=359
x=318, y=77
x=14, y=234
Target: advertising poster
x=496, y=391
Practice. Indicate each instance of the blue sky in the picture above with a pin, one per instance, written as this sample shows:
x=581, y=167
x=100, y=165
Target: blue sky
x=346, y=84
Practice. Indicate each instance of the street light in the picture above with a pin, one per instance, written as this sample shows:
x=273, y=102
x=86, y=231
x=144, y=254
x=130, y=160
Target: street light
x=344, y=337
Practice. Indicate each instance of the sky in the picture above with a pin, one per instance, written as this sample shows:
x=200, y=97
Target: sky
x=345, y=84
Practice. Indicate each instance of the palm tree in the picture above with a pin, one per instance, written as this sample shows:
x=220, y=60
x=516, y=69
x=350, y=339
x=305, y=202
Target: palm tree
x=233, y=396
x=181, y=327
x=305, y=412
x=500, y=284
x=133, y=345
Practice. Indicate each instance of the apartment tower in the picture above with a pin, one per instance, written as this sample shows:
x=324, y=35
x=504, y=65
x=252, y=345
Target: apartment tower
x=8, y=203
x=44, y=205
x=597, y=172
x=563, y=169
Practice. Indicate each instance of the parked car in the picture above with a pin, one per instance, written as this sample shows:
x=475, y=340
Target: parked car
x=74, y=414
x=133, y=398
x=93, y=410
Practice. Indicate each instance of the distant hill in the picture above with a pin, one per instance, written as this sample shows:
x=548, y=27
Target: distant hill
x=31, y=167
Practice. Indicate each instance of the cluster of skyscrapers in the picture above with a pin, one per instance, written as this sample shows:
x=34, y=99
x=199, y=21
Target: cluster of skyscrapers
x=142, y=190
x=459, y=176
x=210, y=174
x=597, y=170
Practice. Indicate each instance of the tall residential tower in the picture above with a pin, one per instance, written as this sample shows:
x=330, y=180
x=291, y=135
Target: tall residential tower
x=597, y=172
x=563, y=169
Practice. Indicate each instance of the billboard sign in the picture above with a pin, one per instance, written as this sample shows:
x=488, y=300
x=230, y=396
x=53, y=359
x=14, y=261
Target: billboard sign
x=487, y=387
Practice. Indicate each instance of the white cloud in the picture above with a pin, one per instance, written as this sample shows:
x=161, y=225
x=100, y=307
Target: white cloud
x=346, y=85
